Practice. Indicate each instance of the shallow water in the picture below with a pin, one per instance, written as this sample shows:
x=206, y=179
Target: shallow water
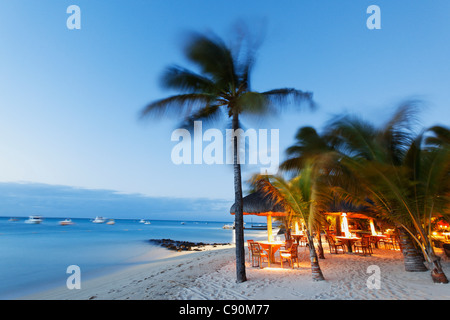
x=35, y=257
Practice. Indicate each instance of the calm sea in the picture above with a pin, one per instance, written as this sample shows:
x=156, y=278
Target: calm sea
x=35, y=257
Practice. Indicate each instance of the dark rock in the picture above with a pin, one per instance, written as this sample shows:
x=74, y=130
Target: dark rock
x=182, y=245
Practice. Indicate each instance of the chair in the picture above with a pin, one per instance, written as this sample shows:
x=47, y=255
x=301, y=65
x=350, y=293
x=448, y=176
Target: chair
x=374, y=242
x=370, y=240
x=257, y=254
x=383, y=241
x=288, y=244
x=303, y=241
x=389, y=242
x=291, y=255
x=249, y=249
x=333, y=245
x=363, y=247
x=396, y=242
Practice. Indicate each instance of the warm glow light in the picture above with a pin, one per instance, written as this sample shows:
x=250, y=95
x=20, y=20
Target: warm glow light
x=372, y=228
x=296, y=227
x=344, y=225
x=279, y=269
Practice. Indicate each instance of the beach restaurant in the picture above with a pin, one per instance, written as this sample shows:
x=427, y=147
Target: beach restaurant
x=353, y=227
x=349, y=229
x=259, y=204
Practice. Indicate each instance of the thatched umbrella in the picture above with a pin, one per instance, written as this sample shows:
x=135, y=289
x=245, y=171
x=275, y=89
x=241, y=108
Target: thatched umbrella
x=351, y=211
x=259, y=204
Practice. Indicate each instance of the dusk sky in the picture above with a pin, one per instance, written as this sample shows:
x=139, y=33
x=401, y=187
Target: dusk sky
x=70, y=99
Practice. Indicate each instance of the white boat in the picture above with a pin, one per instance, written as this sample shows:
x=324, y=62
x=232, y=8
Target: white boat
x=147, y=222
x=258, y=226
x=111, y=221
x=34, y=220
x=142, y=221
x=66, y=222
x=183, y=223
x=98, y=220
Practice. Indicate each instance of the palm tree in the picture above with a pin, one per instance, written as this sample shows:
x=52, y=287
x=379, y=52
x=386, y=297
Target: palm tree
x=407, y=182
x=221, y=87
x=315, y=153
x=298, y=197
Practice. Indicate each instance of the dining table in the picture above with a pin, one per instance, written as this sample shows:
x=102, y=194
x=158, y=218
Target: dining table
x=348, y=241
x=376, y=238
x=271, y=247
x=298, y=237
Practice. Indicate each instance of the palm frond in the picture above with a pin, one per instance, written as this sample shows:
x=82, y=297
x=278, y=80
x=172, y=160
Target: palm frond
x=244, y=49
x=183, y=104
x=353, y=137
x=206, y=115
x=253, y=103
x=281, y=192
x=293, y=165
x=214, y=59
x=184, y=80
x=440, y=135
x=398, y=133
x=289, y=96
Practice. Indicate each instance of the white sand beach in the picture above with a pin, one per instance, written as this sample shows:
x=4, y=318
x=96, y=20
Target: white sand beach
x=210, y=274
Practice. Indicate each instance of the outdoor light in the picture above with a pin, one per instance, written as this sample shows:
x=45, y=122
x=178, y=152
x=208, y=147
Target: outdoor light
x=372, y=228
x=344, y=225
x=296, y=227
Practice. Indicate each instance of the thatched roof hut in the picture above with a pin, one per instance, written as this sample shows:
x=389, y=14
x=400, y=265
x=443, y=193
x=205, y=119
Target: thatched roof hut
x=352, y=211
x=259, y=204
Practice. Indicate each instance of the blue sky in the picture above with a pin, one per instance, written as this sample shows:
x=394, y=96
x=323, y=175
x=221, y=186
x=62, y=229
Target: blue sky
x=69, y=99
x=22, y=199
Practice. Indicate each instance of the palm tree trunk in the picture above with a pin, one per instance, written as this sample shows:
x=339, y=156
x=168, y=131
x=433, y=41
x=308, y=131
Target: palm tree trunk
x=437, y=274
x=338, y=226
x=320, y=247
x=288, y=231
x=315, y=268
x=413, y=257
x=239, y=215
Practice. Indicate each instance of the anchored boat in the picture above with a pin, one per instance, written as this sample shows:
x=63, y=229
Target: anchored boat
x=34, y=220
x=98, y=220
x=66, y=222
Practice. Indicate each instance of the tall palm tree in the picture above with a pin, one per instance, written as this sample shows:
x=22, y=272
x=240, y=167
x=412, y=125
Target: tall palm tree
x=221, y=88
x=407, y=182
x=298, y=197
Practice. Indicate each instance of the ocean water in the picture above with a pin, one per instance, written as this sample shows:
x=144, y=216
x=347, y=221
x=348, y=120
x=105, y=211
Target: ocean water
x=35, y=257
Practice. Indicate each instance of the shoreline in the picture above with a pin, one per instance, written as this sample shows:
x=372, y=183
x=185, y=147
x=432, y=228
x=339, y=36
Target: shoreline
x=210, y=275
x=177, y=245
x=159, y=279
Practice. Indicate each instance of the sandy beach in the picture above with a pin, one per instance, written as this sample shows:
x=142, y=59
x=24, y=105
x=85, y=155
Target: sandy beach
x=210, y=275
